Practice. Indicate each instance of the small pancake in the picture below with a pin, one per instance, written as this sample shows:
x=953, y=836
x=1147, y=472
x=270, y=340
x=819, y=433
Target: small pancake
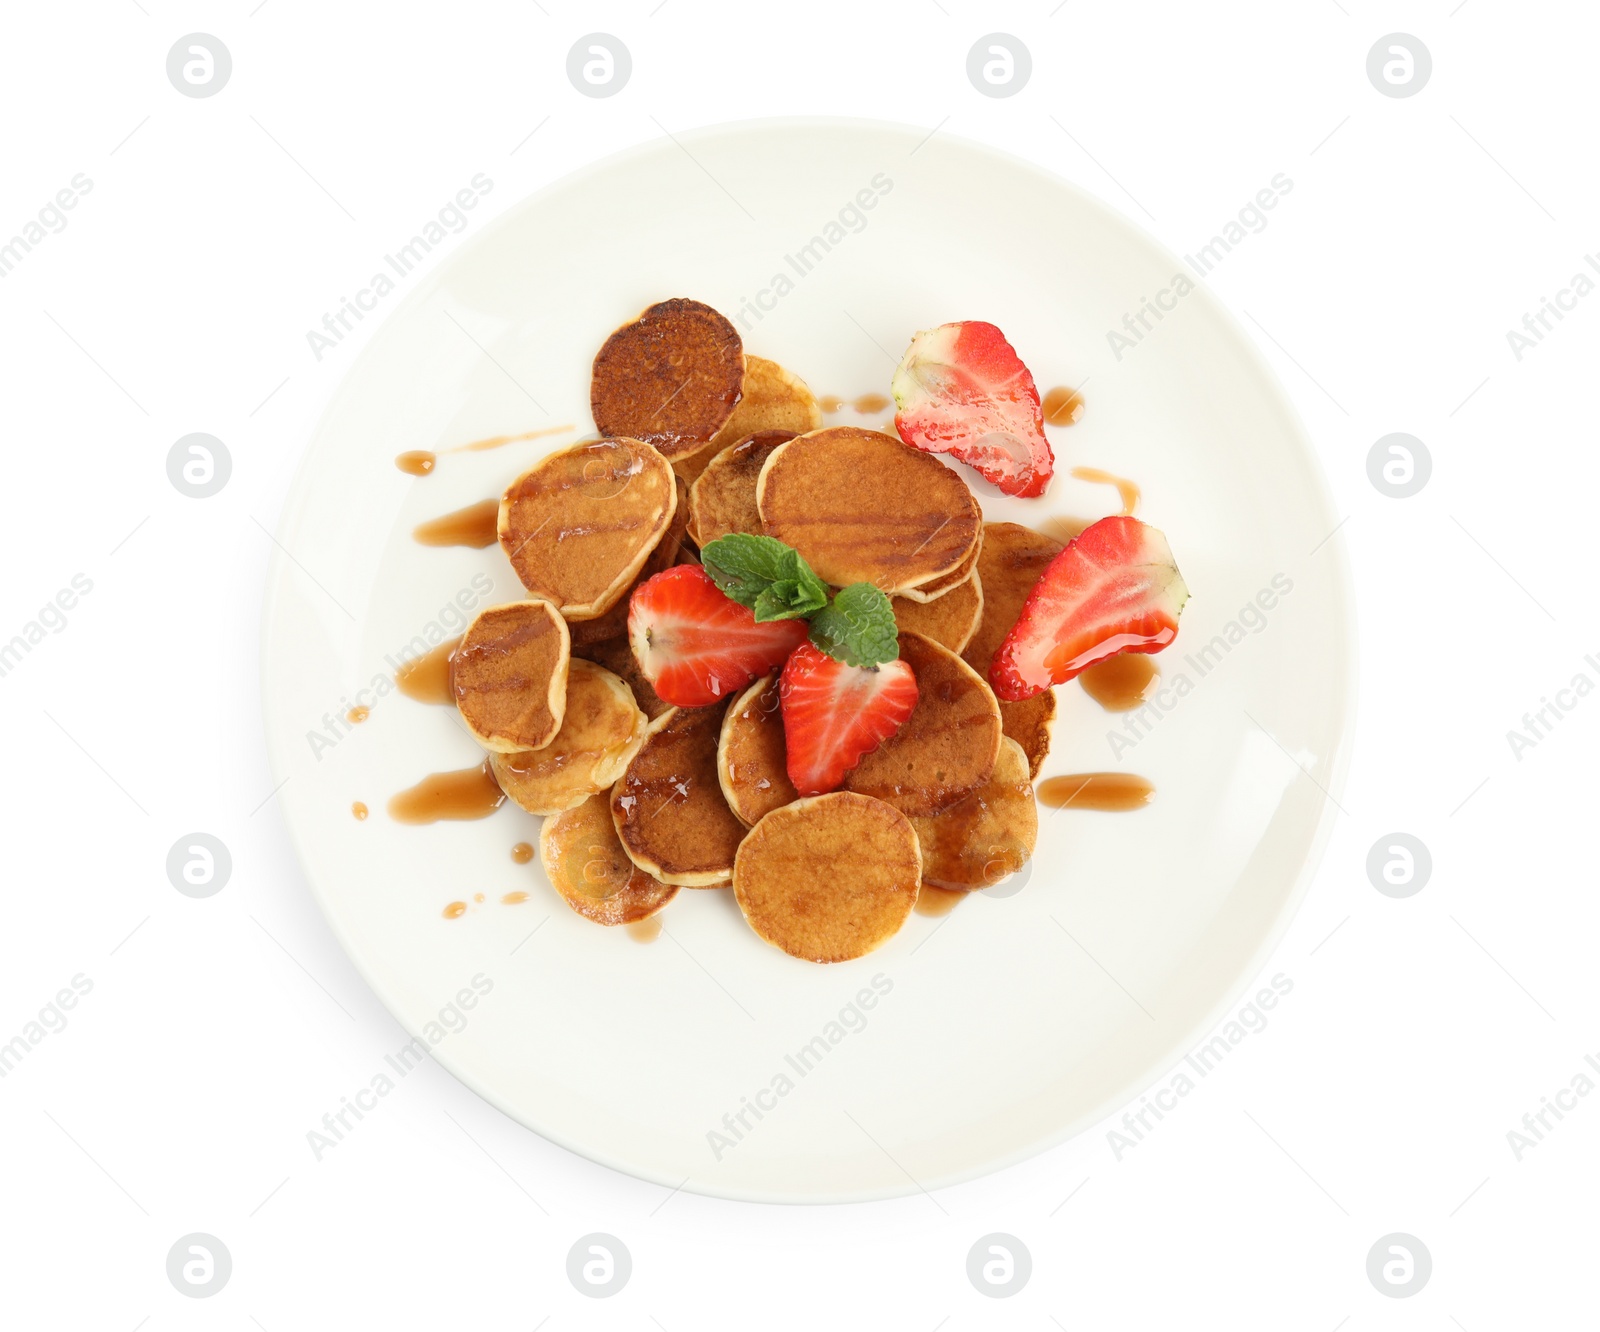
x=580, y=523
x=668, y=806
x=862, y=507
x=986, y=837
x=668, y=551
x=948, y=745
x=1009, y=563
x=616, y=656
x=950, y=620
x=509, y=675
x=670, y=378
x=599, y=733
x=947, y=582
x=769, y=399
x=723, y=497
x=828, y=878
x=751, y=753
x=586, y=864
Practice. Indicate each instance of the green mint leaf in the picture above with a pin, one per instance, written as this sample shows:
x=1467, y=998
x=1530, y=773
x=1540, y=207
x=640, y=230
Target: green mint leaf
x=858, y=628
x=764, y=574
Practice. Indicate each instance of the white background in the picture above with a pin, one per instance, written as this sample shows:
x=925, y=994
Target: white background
x=219, y=1031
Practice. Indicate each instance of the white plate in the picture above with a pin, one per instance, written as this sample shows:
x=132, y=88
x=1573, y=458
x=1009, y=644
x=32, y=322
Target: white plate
x=994, y=1032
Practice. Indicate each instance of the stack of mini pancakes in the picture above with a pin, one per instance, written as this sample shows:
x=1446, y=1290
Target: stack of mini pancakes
x=696, y=441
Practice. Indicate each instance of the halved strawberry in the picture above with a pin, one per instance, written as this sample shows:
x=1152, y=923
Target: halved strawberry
x=1114, y=588
x=834, y=714
x=961, y=389
x=696, y=645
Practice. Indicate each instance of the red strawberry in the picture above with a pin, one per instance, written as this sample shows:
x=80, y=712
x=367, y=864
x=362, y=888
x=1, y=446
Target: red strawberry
x=696, y=645
x=961, y=389
x=834, y=714
x=1113, y=589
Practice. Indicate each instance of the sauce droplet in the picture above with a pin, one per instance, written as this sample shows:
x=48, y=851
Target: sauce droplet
x=868, y=403
x=1116, y=791
x=427, y=678
x=511, y=899
x=830, y=403
x=358, y=714
x=467, y=793
x=522, y=853
x=359, y=810
x=1126, y=489
x=477, y=526
x=417, y=462
x=645, y=930
x=932, y=901
x=1061, y=406
x=1119, y=684
x=454, y=910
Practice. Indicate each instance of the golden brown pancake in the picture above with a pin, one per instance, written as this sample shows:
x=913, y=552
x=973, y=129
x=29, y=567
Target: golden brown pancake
x=950, y=620
x=770, y=399
x=599, y=733
x=668, y=551
x=668, y=805
x=509, y=675
x=947, y=582
x=862, y=507
x=828, y=878
x=670, y=378
x=1010, y=562
x=751, y=754
x=579, y=524
x=948, y=745
x=616, y=656
x=723, y=497
x=987, y=836
x=584, y=861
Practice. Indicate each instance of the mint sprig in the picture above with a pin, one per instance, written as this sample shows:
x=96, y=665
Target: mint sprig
x=856, y=626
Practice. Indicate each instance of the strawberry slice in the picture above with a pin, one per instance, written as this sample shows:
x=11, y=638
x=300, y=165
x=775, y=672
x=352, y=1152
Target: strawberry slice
x=961, y=389
x=834, y=714
x=696, y=645
x=1114, y=588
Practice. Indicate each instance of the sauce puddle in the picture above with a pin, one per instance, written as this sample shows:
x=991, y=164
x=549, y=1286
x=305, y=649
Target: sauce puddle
x=427, y=678
x=1119, y=683
x=522, y=853
x=477, y=526
x=646, y=930
x=1116, y=791
x=868, y=404
x=467, y=793
x=359, y=810
x=932, y=901
x=1126, y=489
x=421, y=462
x=455, y=910
x=513, y=899
x=1061, y=406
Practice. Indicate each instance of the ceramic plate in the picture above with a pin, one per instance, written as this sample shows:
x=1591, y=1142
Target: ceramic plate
x=705, y=1058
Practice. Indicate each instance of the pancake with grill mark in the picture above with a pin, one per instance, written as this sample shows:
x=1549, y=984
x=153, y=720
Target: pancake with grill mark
x=601, y=729
x=509, y=675
x=987, y=836
x=585, y=863
x=668, y=805
x=751, y=754
x=771, y=398
x=1009, y=563
x=723, y=497
x=950, y=620
x=936, y=589
x=828, y=878
x=948, y=745
x=670, y=550
x=862, y=507
x=579, y=524
x=671, y=377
